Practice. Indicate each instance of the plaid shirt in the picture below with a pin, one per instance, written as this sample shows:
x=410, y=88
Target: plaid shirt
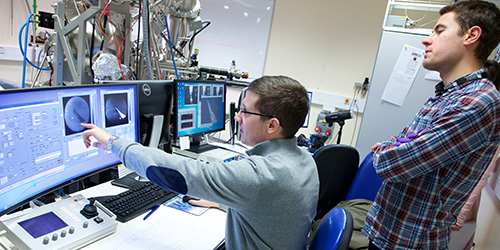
x=428, y=179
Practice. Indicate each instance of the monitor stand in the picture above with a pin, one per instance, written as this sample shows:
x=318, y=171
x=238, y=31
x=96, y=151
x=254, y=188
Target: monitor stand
x=130, y=181
x=200, y=144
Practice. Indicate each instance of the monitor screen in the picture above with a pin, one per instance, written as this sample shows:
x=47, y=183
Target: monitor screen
x=200, y=107
x=42, y=144
x=306, y=121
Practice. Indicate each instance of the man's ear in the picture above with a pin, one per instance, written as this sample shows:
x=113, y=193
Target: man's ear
x=273, y=125
x=473, y=35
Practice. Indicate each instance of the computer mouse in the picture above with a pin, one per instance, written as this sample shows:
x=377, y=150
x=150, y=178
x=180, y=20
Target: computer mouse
x=186, y=198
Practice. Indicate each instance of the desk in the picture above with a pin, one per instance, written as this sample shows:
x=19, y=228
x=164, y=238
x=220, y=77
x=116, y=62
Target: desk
x=166, y=228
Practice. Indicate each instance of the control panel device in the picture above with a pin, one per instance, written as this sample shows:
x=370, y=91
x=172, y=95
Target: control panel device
x=65, y=224
x=322, y=127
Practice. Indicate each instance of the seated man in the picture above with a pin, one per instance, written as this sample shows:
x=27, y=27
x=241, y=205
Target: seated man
x=270, y=196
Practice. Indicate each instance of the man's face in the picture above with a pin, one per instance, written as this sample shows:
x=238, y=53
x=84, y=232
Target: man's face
x=444, y=46
x=252, y=128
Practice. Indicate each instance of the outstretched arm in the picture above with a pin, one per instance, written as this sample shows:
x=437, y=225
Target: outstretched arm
x=98, y=133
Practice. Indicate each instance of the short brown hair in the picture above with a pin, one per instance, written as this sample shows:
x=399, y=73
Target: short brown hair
x=478, y=13
x=284, y=98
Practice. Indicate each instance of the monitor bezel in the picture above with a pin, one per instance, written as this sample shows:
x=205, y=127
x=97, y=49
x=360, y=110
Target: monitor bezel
x=52, y=189
x=175, y=136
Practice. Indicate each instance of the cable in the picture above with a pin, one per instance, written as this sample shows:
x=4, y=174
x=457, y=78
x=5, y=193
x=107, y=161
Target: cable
x=25, y=58
x=62, y=192
x=416, y=21
x=92, y=48
x=138, y=36
x=355, y=123
x=26, y=42
x=191, y=40
x=118, y=46
x=145, y=39
x=170, y=44
x=26, y=45
x=168, y=41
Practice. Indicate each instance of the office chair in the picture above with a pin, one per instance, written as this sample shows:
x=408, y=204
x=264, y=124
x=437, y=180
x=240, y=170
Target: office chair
x=337, y=164
x=366, y=182
x=334, y=232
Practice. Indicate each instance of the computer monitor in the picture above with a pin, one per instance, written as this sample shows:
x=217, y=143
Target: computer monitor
x=199, y=108
x=155, y=102
x=41, y=138
x=155, y=110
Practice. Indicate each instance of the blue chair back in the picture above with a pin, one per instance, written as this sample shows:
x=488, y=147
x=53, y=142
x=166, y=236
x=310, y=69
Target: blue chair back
x=334, y=232
x=366, y=182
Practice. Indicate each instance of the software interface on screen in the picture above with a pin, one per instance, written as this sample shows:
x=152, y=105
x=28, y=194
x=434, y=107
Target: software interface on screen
x=200, y=107
x=41, y=143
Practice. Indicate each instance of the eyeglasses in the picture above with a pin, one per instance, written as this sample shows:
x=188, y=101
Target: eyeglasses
x=242, y=110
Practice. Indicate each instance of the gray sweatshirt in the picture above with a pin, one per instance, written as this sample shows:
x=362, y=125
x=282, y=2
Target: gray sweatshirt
x=270, y=196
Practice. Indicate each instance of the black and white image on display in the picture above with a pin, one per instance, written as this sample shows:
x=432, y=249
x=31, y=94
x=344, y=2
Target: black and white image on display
x=76, y=111
x=212, y=110
x=191, y=95
x=116, y=109
x=207, y=91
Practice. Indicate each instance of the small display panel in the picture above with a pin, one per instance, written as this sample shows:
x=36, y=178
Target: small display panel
x=43, y=224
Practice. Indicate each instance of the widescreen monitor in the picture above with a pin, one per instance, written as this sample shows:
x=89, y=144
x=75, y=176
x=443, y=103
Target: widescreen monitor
x=42, y=145
x=199, y=107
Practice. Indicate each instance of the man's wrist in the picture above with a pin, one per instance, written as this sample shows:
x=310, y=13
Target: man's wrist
x=111, y=140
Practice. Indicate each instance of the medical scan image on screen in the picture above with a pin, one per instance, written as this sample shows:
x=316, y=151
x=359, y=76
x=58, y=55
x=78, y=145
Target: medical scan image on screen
x=42, y=143
x=116, y=109
x=76, y=111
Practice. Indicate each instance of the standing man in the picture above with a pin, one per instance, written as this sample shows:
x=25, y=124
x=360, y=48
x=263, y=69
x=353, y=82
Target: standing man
x=271, y=195
x=430, y=170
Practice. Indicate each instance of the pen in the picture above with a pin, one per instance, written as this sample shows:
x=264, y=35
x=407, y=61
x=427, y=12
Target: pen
x=151, y=212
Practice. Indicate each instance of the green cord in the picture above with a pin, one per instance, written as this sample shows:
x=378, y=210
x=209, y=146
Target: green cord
x=34, y=12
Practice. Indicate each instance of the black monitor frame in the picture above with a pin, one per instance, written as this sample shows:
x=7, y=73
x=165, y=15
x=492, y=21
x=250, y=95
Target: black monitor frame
x=197, y=137
x=156, y=97
x=56, y=186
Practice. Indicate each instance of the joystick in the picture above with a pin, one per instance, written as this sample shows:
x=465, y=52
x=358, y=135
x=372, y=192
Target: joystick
x=89, y=210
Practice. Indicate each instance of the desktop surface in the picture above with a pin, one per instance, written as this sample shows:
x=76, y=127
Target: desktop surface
x=166, y=228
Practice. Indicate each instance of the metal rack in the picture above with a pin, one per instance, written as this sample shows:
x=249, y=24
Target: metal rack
x=395, y=7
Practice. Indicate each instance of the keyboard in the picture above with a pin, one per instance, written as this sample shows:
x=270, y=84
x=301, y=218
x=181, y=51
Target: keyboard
x=135, y=202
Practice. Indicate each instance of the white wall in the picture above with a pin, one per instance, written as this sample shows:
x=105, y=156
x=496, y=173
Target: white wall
x=327, y=45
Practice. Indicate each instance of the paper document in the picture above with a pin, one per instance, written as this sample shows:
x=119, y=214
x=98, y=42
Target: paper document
x=177, y=203
x=402, y=76
x=171, y=231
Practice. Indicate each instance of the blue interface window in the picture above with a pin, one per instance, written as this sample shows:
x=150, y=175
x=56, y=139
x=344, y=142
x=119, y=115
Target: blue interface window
x=200, y=107
x=41, y=142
